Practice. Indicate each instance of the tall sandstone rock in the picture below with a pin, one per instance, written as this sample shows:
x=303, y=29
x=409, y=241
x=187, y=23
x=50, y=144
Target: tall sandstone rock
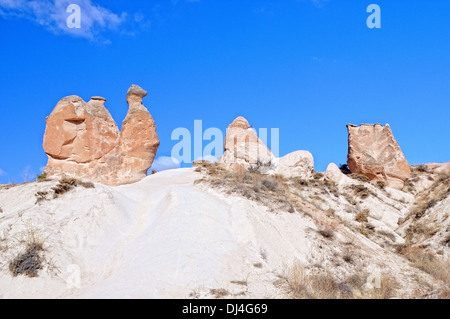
x=243, y=148
x=83, y=141
x=374, y=152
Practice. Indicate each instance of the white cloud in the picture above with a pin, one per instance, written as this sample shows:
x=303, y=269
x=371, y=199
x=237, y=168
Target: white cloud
x=2, y=172
x=164, y=163
x=319, y=3
x=52, y=14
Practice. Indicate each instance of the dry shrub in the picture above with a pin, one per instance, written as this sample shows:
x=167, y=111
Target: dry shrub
x=428, y=262
x=326, y=233
x=271, y=185
x=430, y=197
x=361, y=217
x=380, y=184
x=388, y=287
x=359, y=177
x=271, y=191
x=29, y=262
x=219, y=293
x=41, y=196
x=66, y=184
x=360, y=191
x=446, y=241
x=419, y=168
x=418, y=232
x=300, y=285
x=317, y=175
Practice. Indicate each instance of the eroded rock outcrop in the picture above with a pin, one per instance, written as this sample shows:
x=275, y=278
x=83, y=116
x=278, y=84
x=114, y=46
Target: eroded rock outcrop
x=82, y=140
x=438, y=168
x=243, y=148
x=374, y=152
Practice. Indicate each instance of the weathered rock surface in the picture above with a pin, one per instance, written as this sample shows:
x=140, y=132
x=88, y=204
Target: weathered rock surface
x=242, y=147
x=373, y=152
x=295, y=164
x=82, y=140
x=443, y=169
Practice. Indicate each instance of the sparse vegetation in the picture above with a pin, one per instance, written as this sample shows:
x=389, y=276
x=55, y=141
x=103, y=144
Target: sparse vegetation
x=41, y=196
x=348, y=258
x=446, y=241
x=219, y=293
x=271, y=191
x=42, y=177
x=428, y=262
x=239, y=282
x=380, y=184
x=29, y=262
x=301, y=285
x=360, y=191
x=326, y=233
x=421, y=228
x=361, y=217
x=419, y=168
x=63, y=186
x=359, y=177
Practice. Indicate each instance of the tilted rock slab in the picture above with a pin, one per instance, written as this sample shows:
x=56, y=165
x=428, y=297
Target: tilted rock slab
x=243, y=148
x=83, y=141
x=374, y=152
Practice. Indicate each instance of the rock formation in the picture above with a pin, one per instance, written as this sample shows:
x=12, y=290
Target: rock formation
x=295, y=164
x=373, y=152
x=436, y=168
x=242, y=147
x=82, y=140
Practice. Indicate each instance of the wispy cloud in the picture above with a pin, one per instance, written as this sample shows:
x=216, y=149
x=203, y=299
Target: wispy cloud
x=319, y=3
x=52, y=14
x=2, y=172
x=164, y=163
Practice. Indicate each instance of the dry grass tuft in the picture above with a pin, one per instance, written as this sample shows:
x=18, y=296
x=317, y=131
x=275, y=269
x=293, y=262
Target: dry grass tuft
x=326, y=233
x=219, y=293
x=361, y=217
x=300, y=285
x=269, y=190
x=359, y=177
x=428, y=262
x=67, y=184
x=29, y=262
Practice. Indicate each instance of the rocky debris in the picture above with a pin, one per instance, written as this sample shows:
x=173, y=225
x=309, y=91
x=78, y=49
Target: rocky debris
x=243, y=148
x=373, y=152
x=334, y=173
x=83, y=141
x=295, y=164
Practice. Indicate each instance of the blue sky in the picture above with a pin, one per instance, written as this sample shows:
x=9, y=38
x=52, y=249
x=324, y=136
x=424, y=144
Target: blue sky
x=307, y=67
